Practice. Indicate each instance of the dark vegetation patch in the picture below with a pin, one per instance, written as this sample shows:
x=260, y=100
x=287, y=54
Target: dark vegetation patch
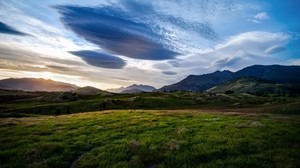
x=58, y=103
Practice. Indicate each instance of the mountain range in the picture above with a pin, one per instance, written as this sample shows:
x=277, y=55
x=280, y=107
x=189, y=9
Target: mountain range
x=133, y=89
x=270, y=77
x=33, y=84
x=274, y=73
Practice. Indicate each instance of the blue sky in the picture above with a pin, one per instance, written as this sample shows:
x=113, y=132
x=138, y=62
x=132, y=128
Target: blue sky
x=117, y=43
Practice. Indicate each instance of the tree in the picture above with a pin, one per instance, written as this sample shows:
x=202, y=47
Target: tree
x=229, y=91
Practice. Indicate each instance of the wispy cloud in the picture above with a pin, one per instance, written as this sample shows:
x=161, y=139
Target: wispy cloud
x=274, y=49
x=4, y=28
x=239, y=51
x=260, y=17
x=102, y=60
x=169, y=72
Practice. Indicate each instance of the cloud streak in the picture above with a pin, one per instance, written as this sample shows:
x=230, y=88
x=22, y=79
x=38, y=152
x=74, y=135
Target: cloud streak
x=274, y=49
x=169, y=72
x=5, y=29
x=260, y=17
x=100, y=59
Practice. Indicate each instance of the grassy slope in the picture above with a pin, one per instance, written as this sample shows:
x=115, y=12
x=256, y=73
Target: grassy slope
x=127, y=138
x=48, y=105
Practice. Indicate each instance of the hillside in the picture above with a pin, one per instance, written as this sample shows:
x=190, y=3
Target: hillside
x=275, y=73
x=88, y=90
x=255, y=86
x=33, y=84
x=133, y=89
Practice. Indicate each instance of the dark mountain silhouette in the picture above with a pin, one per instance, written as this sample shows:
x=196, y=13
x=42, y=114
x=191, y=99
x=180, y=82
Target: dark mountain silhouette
x=33, y=84
x=200, y=82
x=133, y=89
x=255, y=86
x=275, y=73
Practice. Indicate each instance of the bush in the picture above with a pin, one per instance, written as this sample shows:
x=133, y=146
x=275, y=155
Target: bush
x=229, y=92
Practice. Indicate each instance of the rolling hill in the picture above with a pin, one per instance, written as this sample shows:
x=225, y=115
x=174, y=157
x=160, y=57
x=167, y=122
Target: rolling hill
x=88, y=90
x=255, y=86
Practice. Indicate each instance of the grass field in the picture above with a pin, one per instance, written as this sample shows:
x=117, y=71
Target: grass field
x=56, y=104
x=151, y=138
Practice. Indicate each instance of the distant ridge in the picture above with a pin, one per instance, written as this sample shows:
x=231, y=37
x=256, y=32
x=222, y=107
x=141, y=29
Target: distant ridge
x=275, y=73
x=133, y=89
x=34, y=84
x=255, y=86
x=89, y=90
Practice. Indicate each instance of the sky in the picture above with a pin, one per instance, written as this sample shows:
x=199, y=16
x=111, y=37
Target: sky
x=114, y=43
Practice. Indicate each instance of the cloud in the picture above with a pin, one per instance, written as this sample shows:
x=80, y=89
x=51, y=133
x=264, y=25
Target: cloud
x=174, y=63
x=101, y=60
x=169, y=72
x=227, y=61
x=253, y=41
x=59, y=68
x=248, y=47
x=260, y=17
x=159, y=15
x=15, y=58
x=113, y=30
x=274, y=49
x=237, y=52
x=4, y=28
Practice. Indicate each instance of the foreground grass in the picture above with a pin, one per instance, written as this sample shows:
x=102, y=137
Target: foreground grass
x=127, y=138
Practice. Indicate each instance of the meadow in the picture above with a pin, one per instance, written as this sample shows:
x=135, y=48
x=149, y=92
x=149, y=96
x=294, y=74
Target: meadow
x=151, y=138
x=177, y=129
x=57, y=103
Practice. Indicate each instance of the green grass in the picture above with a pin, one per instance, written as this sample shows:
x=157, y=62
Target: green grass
x=156, y=138
x=44, y=105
